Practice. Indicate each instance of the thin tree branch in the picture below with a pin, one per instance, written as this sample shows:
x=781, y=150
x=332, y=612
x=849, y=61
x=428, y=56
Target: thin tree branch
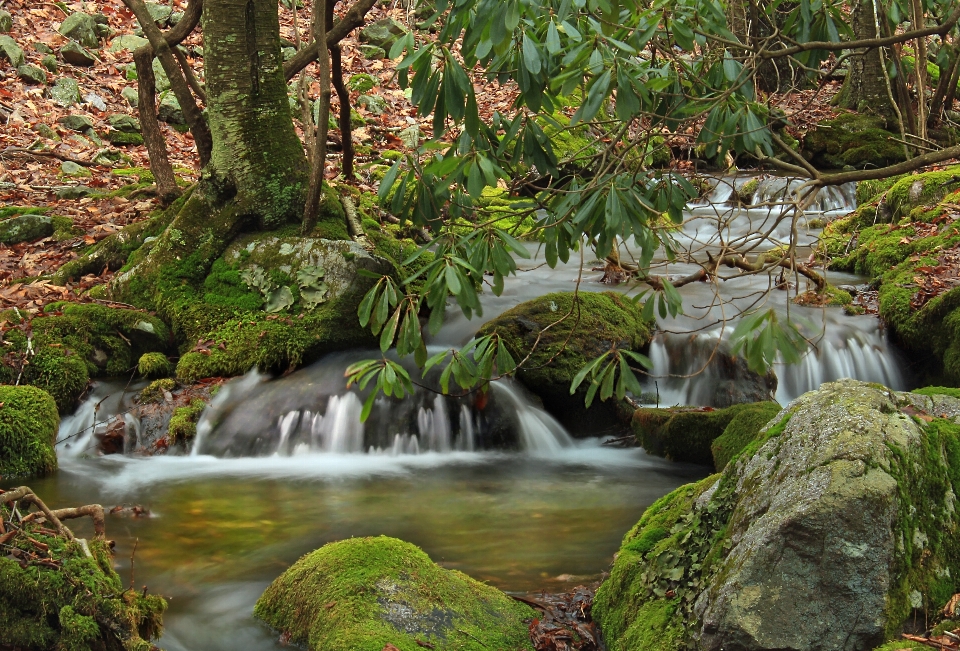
x=355, y=17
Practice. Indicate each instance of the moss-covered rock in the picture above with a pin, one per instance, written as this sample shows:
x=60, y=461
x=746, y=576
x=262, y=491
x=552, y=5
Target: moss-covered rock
x=183, y=422
x=831, y=529
x=583, y=326
x=70, y=597
x=60, y=349
x=153, y=365
x=364, y=594
x=701, y=435
x=28, y=431
x=852, y=139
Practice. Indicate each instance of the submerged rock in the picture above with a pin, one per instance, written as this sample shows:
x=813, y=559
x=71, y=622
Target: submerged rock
x=369, y=594
x=829, y=531
x=28, y=430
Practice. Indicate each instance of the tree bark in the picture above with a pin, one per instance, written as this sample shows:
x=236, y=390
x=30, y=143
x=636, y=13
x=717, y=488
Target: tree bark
x=257, y=156
x=865, y=88
x=152, y=137
x=346, y=130
x=319, y=158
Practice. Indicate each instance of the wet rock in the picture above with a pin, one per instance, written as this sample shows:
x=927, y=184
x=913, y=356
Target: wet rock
x=6, y=21
x=81, y=28
x=65, y=92
x=10, y=51
x=831, y=530
x=383, y=33
x=169, y=110
x=77, y=55
x=25, y=228
x=127, y=42
x=32, y=74
x=381, y=593
x=373, y=103
x=49, y=61
x=76, y=122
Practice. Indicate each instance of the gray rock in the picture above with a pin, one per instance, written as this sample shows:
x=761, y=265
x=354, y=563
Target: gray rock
x=175, y=18
x=31, y=73
x=10, y=51
x=101, y=19
x=107, y=156
x=372, y=52
x=76, y=55
x=160, y=76
x=49, y=61
x=45, y=131
x=132, y=97
x=76, y=122
x=69, y=168
x=169, y=109
x=95, y=101
x=42, y=48
x=126, y=123
x=383, y=33
x=288, y=53
x=104, y=31
x=376, y=104
x=65, y=92
x=25, y=228
x=127, y=42
x=72, y=191
x=159, y=12
x=300, y=256
x=410, y=137
x=6, y=21
x=81, y=28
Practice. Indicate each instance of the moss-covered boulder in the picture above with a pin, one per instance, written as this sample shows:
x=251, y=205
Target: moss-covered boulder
x=57, y=593
x=832, y=529
x=364, y=594
x=701, y=435
x=852, y=139
x=61, y=349
x=28, y=431
x=562, y=332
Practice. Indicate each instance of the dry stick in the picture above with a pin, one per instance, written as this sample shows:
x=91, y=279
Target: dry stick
x=191, y=112
x=150, y=128
x=132, y=554
x=93, y=511
x=23, y=493
x=315, y=188
x=47, y=154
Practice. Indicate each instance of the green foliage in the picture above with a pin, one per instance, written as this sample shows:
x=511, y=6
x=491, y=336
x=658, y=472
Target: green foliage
x=183, y=422
x=28, y=430
x=153, y=365
x=363, y=594
x=761, y=338
x=155, y=390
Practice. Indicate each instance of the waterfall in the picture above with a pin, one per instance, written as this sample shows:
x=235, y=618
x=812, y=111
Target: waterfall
x=730, y=191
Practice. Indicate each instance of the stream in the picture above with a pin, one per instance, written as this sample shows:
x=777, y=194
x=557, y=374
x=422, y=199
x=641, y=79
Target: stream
x=500, y=491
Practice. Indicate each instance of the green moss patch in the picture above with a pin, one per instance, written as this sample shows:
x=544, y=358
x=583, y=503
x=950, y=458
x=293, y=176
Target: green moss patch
x=363, y=594
x=183, y=422
x=153, y=365
x=28, y=431
x=852, y=139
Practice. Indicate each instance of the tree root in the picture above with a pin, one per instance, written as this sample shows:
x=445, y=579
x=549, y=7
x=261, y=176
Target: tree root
x=25, y=495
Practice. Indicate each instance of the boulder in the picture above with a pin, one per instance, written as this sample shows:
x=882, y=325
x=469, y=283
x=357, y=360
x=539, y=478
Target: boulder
x=72, y=191
x=76, y=122
x=169, y=110
x=10, y=51
x=127, y=42
x=159, y=12
x=25, y=228
x=69, y=168
x=851, y=139
x=49, y=61
x=32, y=74
x=362, y=82
x=124, y=138
x=76, y=55
x=65, y=92
x=6, y=21
x=372, y=52
x=383, y=33
x=131, y=95
x=832, y=529
x=593, y=323
x=370, y=594
x=81, y=28
x=123, y=122
x=28, y=430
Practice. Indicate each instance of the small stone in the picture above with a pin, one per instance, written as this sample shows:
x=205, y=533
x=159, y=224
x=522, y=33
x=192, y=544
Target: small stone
x=69, y=168
x=160, y=13
x=95, y=101
x=25, y=228
x=6, y=21
x=10, y=51
x=175, y=18
x=46, y=131
x=162, y=82
x=76, y=122
x=76, y=55
x=81, y=28
x=376, y=104
x=372, y=52
x=169, y=110
x=383, y=33
x=65, y=92
x=410, y=137
x=107, y=156
x=42, y=48
x=32, y=73
x=127, y=42
x=288, y=53
x=132, y=97
x=49, y=61
x=72, y=191
x=362, y=82
x=124, y=138
x=125, y=123
x=103, y=31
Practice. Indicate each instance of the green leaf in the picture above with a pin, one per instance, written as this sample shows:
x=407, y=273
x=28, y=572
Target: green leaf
x=553, y=39
x=531, y=56
x=582, y=374
x=512, y=16
x=390, y=331
x=388, y=180
x=453, y=280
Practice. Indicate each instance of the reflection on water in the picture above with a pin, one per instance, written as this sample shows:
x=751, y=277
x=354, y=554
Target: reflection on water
x=224, y=528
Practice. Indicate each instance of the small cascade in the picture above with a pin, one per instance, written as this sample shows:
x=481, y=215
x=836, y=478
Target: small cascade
x=770, y=192
x=105, y=409
x=305, y=413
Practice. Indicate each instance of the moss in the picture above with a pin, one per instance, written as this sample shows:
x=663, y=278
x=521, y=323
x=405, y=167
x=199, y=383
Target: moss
x=852, y=139
x=28, y=431
x=154, y=392
x=75, y=603
x=741, y=431
x=183, y=422
x=153, y=365
x=920, y=189
x=587, y=325
x=63, y=229
x=7, y=212
x=938, y=391
x=829, y=296
x=364, y=594
x=362, y=82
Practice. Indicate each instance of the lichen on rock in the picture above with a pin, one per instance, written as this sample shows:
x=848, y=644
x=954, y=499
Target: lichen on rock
x=363, y=594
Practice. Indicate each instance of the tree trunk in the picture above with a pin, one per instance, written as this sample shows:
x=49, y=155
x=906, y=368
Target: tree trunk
x=865, y=88
x=257, y=156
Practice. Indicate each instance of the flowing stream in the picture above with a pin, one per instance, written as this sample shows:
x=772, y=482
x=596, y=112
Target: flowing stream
x=496, y=488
